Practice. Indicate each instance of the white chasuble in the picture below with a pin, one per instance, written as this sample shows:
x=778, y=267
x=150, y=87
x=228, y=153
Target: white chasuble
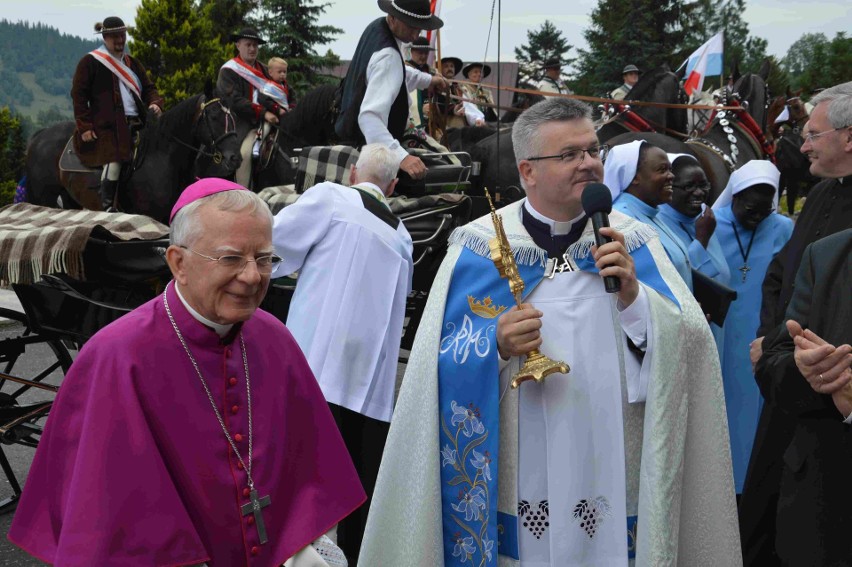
x=572, y=492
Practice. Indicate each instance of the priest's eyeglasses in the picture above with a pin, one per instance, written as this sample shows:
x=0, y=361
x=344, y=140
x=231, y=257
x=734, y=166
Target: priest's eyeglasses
x=576, y=155
x=811, y=136
x=233, y=262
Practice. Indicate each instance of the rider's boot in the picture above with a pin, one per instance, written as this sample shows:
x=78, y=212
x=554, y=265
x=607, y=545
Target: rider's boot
x=108, y=190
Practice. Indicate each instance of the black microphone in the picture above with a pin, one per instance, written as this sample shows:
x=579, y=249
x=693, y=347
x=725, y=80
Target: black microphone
x=597, y=203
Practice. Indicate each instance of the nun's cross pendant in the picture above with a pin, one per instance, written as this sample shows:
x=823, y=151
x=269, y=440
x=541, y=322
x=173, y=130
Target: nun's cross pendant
x=745, y=270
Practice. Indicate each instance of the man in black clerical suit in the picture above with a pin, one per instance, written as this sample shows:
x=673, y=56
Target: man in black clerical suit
x=828, y=210
x=808, y=373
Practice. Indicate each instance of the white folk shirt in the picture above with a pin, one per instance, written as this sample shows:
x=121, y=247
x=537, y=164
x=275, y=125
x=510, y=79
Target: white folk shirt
x=347, y=312
x=384, y=78
x=571, y=438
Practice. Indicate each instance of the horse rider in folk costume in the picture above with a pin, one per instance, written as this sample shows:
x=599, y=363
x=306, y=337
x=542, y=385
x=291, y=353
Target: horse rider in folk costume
x=110, y=92
x=374, y=100
x=480, y=95
x=630, y=74
x=255, y=96
x=552, y=82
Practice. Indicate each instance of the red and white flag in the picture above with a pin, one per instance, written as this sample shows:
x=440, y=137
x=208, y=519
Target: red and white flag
x=706, y=60
x=432, y=36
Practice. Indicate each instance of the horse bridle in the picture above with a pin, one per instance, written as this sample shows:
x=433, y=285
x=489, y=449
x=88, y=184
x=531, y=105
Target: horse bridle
x=215, y=154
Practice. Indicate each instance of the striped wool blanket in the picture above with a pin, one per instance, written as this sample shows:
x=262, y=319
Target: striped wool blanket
x=42, y=240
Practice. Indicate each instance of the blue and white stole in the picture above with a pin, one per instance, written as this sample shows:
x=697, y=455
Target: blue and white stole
x=468, y=395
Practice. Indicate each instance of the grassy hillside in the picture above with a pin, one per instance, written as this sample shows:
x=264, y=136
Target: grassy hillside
x=36, y=66
x=42, y=101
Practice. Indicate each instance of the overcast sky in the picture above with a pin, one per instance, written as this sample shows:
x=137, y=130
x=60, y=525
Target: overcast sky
x=780, y=22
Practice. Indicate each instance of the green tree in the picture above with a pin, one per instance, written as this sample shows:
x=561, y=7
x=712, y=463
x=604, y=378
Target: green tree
x=647, y=33
x=12, y=151
x=227, y=16
x=542, y=44
x=290, y=27
x=174, y=40
x=813, y=61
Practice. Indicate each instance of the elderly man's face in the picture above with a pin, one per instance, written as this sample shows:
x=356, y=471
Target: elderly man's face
x=831, y=151
x=248, y=49
x=554, y=186
x=221, y=294
x=448, y=69
x=631, y=78
x=114, y=42
x=419, y=56
x=402, y=31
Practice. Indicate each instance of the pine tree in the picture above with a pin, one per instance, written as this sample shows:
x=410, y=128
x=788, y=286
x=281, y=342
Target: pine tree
x=290, y=27
x=174, y=40
x=227, y=16
x=646, y=33
x=542, y=44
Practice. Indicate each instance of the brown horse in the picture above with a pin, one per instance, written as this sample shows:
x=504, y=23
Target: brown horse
x=196, y=138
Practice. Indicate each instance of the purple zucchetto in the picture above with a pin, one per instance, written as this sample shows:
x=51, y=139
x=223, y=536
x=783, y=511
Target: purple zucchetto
x=203, y=188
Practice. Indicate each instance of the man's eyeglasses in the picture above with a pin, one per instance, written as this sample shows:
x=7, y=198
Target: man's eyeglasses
x=233, y=262
x=577, y=155
x=810, y=136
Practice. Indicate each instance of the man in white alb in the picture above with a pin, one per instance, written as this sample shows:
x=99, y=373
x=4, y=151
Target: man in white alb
x=355, y=268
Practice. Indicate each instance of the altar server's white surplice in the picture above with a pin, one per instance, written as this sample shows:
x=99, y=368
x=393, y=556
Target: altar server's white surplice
x=348, y=309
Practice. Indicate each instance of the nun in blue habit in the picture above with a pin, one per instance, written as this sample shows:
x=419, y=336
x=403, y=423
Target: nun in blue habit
x=693, y=223
x=639, y=176
x=751, y=233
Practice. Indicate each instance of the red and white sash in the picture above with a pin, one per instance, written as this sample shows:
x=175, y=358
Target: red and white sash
x=124, y=73
x=256, y=79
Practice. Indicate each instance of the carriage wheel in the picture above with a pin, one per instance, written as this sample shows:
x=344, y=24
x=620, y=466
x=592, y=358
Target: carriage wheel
x=37, y=359
x=23, y=407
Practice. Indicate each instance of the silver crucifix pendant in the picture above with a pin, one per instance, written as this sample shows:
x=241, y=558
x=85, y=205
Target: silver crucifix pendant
x=255, y=507
x=745, y=270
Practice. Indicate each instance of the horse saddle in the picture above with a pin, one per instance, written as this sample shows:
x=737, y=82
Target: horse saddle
x=69, y=161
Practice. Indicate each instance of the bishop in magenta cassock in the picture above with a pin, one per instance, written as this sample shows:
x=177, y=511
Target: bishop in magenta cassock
x=191, y=430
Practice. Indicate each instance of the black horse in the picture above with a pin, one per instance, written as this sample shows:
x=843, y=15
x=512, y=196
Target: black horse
x=731, y=139
x=196, y=138
x=659, y=85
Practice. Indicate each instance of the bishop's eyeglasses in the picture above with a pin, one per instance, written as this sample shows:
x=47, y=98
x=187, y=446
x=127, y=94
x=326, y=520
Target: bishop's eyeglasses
x=577, y=155
x=236, y=263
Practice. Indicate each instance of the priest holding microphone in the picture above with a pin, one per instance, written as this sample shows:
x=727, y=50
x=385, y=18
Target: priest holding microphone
x=549, y=473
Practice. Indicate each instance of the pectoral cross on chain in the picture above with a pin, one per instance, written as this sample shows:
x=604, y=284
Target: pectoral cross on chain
x=745, y=270
x=255, y=507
